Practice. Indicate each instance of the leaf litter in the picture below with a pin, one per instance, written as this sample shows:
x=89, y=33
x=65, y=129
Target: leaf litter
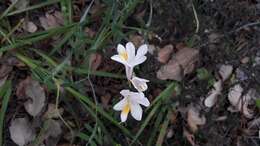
x=34, y=93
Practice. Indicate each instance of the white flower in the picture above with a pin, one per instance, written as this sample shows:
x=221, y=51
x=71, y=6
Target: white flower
x=131, y=103
x=126, y=55
x=139, y=84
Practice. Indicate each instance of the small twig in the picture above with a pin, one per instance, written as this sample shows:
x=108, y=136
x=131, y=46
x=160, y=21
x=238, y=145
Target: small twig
x=196, y=18
x=247, y=25
x=57, y=106
x=148, y=24
x=82, y=19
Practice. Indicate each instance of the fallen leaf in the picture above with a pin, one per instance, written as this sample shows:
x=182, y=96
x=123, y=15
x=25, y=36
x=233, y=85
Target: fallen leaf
x=52, y=132
x=225, y=71
x=21, y=131
x=54, y=128
x=5, y=69
x=172, y=70
x=240, y=102
x=21, y=4
x=105, y=100
x=31, y=90
x=3, y=80
x=182, y=63
x=137, y=40
x=51, y=20
x=59, y=17
x=95, y=61
x=213, y=95
x=52, y=112
x=194, y=119
x=37, y=95
x=190, y=137
x=30, y=27
x=235, y=94
x=164, y=53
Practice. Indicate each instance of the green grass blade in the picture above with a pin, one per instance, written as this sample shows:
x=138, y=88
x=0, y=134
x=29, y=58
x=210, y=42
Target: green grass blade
x=163, y=130
x=5, y=93
x=99, y=109
x=156, y=127
x=50, y=2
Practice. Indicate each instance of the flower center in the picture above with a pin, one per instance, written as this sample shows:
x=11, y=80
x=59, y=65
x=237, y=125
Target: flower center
x=124, y=55
x=126, y=109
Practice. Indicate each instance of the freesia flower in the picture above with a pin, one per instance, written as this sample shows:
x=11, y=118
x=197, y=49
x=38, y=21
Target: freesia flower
x=139, y=84
x=127, y=56
x=131, y=102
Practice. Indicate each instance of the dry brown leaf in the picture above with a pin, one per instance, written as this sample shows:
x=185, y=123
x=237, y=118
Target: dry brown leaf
x=52, y=112
x=30, y=27
x=213, y=95
x=37, y=98
x=95, y=61
x=240, y=102
x=51, y=20
x=164, y=53
x=137, y=40
x=105, y=100
x=21, y=4
x=194, y=119
x=190, y=137
x=182, y=63
x=59, y=17
x=225, y=71
x=31, y=90
x=5, y=69
x=52, y=132
x=21, y=131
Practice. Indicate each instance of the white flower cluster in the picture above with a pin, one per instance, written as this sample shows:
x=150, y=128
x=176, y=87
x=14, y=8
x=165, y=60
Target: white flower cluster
x=132, y=101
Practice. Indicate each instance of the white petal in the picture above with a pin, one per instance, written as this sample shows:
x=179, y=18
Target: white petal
x=136, y=111
x=125, y=93
x=120, y=105
x=143, y=101
x=139, y=84
x=123, y=116
x=118, y=59
x=138, y=61
x=142, y=50
x=139, y=98
x=120, y=49
x=130, y=49
x=129, y=72
x=141, y=79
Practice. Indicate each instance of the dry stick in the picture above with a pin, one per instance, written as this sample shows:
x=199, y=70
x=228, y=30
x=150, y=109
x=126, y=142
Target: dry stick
x=57, y=108
x=196, y=18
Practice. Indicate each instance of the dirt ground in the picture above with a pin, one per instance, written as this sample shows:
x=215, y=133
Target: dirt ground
x=224, y=32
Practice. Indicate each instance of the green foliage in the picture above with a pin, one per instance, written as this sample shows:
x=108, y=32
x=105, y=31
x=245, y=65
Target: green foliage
x=5, y=93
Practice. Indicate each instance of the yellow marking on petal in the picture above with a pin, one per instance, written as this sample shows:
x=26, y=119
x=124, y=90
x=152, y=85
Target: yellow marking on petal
x=124, y=55
x=126, y=109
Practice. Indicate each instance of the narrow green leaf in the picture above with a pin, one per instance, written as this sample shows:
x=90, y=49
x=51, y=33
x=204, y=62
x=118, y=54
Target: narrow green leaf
x=5, y=93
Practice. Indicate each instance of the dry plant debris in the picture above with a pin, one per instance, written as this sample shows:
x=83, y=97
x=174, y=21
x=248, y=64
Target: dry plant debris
x=21, y=131
x=182, y=63
x=32, y=91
